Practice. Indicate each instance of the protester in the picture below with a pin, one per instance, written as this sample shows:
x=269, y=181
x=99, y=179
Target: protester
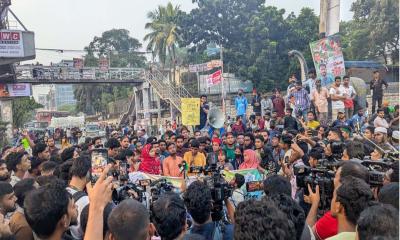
x=376, y=85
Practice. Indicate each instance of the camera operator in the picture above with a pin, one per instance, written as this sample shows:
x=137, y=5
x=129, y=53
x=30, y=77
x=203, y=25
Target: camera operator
x=168, y=215
x=80, y=172
x=238, y=195
x=327, y=225
x=334, y=151
x=198, y=201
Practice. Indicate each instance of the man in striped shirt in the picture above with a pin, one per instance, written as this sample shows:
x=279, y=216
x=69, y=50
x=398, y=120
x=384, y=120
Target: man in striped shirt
x=302, y=100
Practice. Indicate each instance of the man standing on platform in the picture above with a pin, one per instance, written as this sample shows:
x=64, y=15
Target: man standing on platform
x=241, y=106
x=376, y=85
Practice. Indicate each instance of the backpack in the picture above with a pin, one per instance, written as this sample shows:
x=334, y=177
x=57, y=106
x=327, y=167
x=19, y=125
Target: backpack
x=78, y=195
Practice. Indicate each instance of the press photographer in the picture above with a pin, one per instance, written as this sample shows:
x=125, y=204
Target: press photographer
x=199, y=203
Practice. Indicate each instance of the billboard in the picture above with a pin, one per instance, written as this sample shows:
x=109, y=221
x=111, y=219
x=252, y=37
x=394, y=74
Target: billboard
x=328, y=59
x=11, y=44
x=15, y=90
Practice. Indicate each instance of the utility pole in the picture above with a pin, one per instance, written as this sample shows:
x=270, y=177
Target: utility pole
x=222, y=79
x=329, y=18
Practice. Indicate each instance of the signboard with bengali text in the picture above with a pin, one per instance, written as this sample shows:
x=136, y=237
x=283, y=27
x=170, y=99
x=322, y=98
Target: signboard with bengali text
x=190, y=111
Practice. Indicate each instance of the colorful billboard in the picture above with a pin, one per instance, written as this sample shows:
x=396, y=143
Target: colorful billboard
x=15, y=90
x=328, y=59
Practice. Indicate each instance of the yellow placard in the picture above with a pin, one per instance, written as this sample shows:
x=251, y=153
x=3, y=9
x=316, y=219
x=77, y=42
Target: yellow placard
x=190, y=111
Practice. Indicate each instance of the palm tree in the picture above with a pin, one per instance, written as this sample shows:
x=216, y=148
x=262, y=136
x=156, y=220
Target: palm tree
x=164, y=34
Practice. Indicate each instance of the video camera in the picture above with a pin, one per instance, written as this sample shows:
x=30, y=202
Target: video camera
x=322, y=176
x=377, y=170
x=220, y=189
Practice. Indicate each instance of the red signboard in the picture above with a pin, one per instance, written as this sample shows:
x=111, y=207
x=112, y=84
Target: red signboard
x=214, y=78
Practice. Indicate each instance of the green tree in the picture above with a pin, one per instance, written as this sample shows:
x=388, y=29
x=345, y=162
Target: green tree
x=23, y=110
x=122, y=50
x=256, y=38
x=67, y=108
x=164, y=33
x=375, y=27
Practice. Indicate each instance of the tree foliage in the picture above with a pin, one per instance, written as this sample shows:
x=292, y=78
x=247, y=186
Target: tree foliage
x=255, y=38
x=374, y=31
x=23, y=110
x=122, y=51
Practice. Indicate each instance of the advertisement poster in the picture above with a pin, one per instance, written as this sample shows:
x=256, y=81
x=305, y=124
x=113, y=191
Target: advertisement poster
x=190, y=111
x=15, y=90
x=205, y=66
x=214, y=79
x=11, y=43
x=328, y=59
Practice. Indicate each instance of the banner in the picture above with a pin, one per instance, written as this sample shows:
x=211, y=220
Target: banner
x=205, y=66
x=250, y=175
x=190, y=111
x=214, y=78
x=78, y=63
x=328, y=59
x=103, y=64
x=11, y=43
x=15, y=90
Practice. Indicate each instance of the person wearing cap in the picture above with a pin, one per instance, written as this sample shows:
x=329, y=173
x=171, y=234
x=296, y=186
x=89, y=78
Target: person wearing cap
x=381, y=138
x=394, y=140
x=346, y=133
x=380, y=120
x=241, y=106
x=337, y=96
x=301, y=99
x=212, y=157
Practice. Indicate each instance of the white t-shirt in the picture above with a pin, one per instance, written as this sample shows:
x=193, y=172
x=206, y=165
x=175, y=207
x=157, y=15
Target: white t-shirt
x=76, y=230
x=349, y=91
x=340, y=92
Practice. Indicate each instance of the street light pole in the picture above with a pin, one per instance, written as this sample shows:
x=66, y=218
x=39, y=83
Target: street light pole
x=222, y=79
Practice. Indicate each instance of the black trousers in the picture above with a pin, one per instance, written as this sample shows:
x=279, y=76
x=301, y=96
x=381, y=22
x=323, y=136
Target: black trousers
x=376, y=99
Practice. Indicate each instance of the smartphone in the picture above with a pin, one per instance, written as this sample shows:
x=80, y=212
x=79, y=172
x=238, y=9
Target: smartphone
x=99, y=160
x=254, y=186
x=123, y=168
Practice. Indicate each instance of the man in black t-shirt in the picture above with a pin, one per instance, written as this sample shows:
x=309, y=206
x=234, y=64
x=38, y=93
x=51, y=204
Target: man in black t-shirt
x=203, y=112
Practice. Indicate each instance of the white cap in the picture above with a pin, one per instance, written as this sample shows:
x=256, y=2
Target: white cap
x=395, y=135
x=380, y=130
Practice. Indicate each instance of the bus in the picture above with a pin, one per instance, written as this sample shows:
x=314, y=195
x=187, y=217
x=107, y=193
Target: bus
x=45, y=116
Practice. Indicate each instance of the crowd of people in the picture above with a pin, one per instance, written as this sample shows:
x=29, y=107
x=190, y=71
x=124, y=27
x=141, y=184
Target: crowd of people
x=311, y=133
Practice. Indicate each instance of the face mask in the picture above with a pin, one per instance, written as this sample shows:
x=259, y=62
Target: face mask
x=238, y=155
x=240, y=94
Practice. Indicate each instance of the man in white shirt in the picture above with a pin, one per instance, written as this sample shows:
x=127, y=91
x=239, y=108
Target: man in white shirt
x=350, y=94
x=337, y=96
x=380, y=120
x=238, y=195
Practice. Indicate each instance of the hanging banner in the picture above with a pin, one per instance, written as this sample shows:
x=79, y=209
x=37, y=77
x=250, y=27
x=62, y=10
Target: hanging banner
x=214, y=78
x=103, y=64
x=15, y=90
x=11, y=43
x=205, y=66
x=78, y=63
x=328, y=59
x=190, y=111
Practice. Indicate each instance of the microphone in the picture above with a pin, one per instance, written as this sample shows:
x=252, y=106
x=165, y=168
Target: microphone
x=182, y=166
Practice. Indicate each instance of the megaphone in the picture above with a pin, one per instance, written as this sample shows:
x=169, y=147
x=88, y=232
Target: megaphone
x=216, y=118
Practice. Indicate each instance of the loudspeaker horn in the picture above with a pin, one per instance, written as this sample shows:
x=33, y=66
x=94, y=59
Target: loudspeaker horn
x=216, y=118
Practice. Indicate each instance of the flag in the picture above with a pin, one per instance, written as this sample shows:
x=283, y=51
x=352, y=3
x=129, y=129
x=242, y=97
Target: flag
x=214, y=78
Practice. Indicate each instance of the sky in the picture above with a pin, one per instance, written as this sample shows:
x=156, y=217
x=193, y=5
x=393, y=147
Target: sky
x=72, y=24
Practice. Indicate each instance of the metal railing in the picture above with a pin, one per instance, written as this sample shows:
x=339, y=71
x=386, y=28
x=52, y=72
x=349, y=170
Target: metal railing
x=87, y=73
x=165, y=89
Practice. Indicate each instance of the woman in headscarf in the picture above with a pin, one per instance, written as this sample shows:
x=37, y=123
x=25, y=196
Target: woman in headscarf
x=150, y=163
x=251, y=159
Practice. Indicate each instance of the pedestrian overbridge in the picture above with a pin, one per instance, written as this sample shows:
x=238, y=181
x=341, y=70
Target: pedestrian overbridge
x=70, y=75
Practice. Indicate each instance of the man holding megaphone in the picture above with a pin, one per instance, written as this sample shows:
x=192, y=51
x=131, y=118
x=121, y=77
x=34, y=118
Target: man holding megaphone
x=203, y=112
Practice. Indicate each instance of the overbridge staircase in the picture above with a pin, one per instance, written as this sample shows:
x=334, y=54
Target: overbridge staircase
x=165, y=89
